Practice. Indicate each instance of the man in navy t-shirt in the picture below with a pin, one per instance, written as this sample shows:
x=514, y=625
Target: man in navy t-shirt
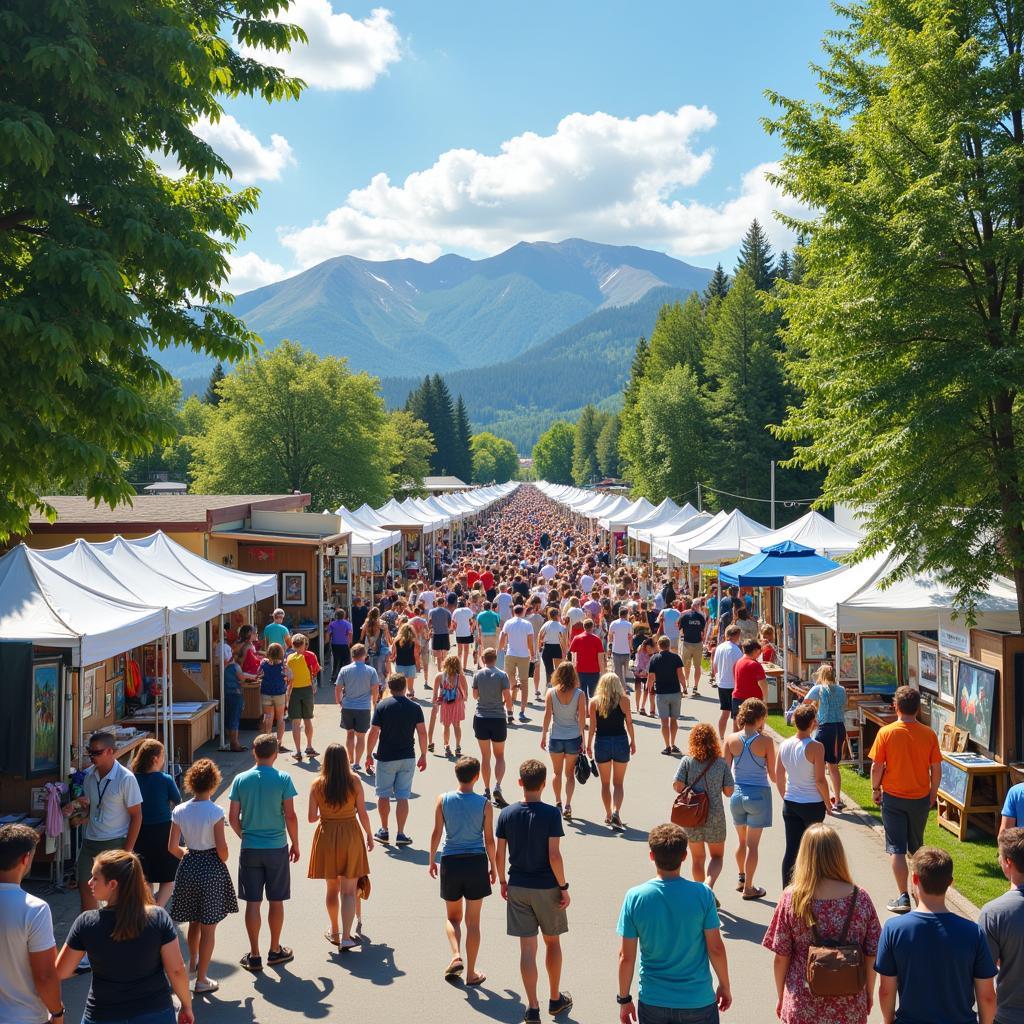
x=938, y=962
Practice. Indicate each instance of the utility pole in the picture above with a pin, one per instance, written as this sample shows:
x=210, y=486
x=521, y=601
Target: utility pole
x=700, y=501
x=773, y=494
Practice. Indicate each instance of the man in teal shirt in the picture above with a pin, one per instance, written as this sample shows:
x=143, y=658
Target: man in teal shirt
x=263, y=817
x=675, y=924
x=276, y=632
x=487, y=622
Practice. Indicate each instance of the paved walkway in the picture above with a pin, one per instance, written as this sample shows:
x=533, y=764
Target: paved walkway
x=397, y=974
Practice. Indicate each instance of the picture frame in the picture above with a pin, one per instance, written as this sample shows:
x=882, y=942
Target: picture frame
x=792, y=625
x=192, y=644
x=879, y=664
x=928, y=669
x=88, y=694
x=946, y=688
x=848, y=639
x=976, y=689
x=847, y=666
x=293, y=587
x=953, y=782
x=339, y=571
x=119, y=706
x=940, y=716
x=108, y=704
x=815, y=640
x=44, y=718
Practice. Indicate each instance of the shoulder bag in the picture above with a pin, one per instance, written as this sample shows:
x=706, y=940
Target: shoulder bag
x=836, y=967
x=690, y=808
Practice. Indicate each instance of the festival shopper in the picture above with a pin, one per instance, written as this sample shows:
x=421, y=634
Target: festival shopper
x=565, y=710
x=666, y=669
x=29, y=986
x=727, y=606
x=439, y=622
x=905, y=772
x=276, y=632
x=751, y=757
x=821, y=904
x=641, y=676
x=493, y=695
x=356, y=691
x=464, y=623
x=674, y=924
x=800, y=778
x=132, y=946
x=339, y=849
x=488, y=623
x=407, y=656
x=620, y=642
x=936, y=962
x=553, y=643
x=1002, y=921
x=692, y=627
x=235, y=674
x=300, y=694
x=587, y=652
x=535, y=889
x=518, y=643
x=748, y=624
x=749, y=676
x=203, y=892
x=274, y=676
x=159, y=795
x=339, y=630
x=704, y=770
x=830, y=698
x=359, y=614
x=1012, y=814
x=376, y=638
x=668, y=624
x=537, y=621
x=723, y=666
x=262, y=815
x=450, y=693
x=467, y=865
x=397, y=723
x=610, y=743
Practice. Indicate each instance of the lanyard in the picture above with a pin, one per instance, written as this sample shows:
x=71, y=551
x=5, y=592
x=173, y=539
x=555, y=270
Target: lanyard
x=101, y=792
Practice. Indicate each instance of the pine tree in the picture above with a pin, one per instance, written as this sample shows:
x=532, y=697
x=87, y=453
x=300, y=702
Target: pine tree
x=636, y=372
x=607, y=447
x=680, y=338
x=212, y=396
x=756, y=257
x=443, y=427
x=784, y=270
x=718, y=286
x=584, y=450
x=463, y=467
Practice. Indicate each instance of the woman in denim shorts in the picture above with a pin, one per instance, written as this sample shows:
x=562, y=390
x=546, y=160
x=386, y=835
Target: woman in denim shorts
x=565, y=711
x=751, y=756
x=611, y=742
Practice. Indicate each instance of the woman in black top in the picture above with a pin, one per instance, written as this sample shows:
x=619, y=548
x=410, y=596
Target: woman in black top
x=611, y=742
x=132, y=947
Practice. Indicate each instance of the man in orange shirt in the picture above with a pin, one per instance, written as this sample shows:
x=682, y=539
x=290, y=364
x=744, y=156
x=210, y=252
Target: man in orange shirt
x=905, y=771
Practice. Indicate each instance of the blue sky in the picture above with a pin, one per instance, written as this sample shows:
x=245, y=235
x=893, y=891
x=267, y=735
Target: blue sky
x=620, y=123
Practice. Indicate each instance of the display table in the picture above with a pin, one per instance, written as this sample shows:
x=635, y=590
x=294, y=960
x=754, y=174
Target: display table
x=773, y=685
x=873, y=716
x=192, y=725
x=252, y=705
x=971, y=792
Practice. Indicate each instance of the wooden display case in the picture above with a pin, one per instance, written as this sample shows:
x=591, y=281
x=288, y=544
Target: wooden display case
x=971, y=792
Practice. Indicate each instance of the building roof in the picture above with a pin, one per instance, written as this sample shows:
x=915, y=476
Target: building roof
x=444, y=483
x=173, y=513
x=165, y=487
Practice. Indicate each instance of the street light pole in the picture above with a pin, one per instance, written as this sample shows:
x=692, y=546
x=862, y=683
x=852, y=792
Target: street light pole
x=773, y=494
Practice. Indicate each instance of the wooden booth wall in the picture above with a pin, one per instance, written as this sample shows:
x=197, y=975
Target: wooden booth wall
x=278, y=558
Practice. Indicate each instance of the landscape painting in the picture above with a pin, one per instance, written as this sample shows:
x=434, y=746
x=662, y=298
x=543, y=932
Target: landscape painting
x=879, y=661
x=44, y=754
x=928, y=669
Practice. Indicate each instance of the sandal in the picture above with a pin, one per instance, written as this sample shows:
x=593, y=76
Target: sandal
x=479, y=979
x=454, y=969
x=332, y=938
x=567, y=813
x=755, y=894
x=430, y=748
x=251, y=963
x=281, y=955
x=741, y=882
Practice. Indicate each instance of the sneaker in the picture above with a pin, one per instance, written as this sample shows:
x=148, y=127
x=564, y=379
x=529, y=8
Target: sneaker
x=499, y=799
x=900, y=905
x=402, y=840
x=381, y=835
x=532, y=1015
x=675, y=749
x=512, y=721
x=557, y=1006
x=357, y=767
x=522, y=717
x=487, y=795
x=281, y=955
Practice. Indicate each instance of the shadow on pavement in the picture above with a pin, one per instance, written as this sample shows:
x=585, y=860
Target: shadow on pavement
x=740, y=928
x=279, y=987
x=373, y=961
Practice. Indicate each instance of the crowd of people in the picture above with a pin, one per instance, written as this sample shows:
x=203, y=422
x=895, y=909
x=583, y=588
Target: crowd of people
x=531, y=621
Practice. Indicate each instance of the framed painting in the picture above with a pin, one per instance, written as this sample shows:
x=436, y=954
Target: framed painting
x=847, y=665
x=848, y=639
x=119, y=708
x=879, y=664
x=339, y=571
x=88, y=695
x=940, y=717
x=792, y=625
x=293, y=588
x=953, y=782
x=975, y=700
x=192, y=644
x=44, y=724
x=108, y=704
x=928, y=669
x=946, y=679
x=815, y=643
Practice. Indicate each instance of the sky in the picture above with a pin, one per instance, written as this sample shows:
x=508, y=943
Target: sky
x=469, y=125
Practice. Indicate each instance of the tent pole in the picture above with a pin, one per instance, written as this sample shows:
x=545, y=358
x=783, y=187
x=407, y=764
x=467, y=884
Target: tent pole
x=81, y=714
x=320, y=603
x=223, y=666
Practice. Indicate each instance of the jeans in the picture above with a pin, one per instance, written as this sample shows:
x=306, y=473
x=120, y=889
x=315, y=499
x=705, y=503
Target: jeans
x=647, y=1014
x=620, y=662
x=232, y=711
x=797, y=818
x=164, y=1016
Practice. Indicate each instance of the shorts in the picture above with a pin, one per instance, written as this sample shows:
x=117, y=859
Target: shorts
x=467, y=640
x=751, y=806
x=394, y=779
x=588, y=682
x=409, y=671
x=571, y=747
x=648, y=1014
x=692, y=655
x=355, y=719
x=528, y=910
x=465, y=876
x=490, y=730
x=441, y=642
x=725, y=700
x=266, y=871
x=92, y=848
x=668, y=705
x=164, y=1016
x=903, y=821
x=736, y=705
x=301, y=703
x=832, y=736
x=272, y=700
x=611, y=748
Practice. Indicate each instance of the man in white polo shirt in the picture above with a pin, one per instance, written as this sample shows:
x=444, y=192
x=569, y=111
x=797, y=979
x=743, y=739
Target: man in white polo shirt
x=518, y=642
x=620, y=639
x=727, y=654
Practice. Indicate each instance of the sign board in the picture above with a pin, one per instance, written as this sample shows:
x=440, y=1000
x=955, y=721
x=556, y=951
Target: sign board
x=954, y=642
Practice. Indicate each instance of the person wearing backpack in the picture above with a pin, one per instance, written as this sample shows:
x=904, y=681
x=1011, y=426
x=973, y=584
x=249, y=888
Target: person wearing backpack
x=824, y=934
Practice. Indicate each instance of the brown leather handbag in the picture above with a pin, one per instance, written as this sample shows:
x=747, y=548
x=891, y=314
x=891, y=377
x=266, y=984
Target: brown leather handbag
x=690, y=809
x=836, y=967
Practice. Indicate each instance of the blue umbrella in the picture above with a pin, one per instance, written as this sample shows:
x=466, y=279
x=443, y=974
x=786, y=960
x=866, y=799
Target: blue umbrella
x=771, y=565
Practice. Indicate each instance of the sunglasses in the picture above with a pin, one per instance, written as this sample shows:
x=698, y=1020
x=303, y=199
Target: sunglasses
x=93, y=754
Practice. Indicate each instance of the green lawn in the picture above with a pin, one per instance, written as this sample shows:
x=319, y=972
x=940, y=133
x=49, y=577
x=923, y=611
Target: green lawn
x=976, y=869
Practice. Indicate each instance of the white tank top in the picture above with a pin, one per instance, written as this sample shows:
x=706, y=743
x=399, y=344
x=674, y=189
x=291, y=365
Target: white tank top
x=800, y=787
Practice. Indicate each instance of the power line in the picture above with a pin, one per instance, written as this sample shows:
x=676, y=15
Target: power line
x=767, y=501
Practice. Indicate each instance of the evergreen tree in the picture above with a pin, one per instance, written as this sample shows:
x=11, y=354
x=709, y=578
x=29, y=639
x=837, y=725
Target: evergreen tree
x=680, y=338
x=636, y=372
x=212, y=396
x=607, y=447
x=718, y=286
x=463, y=467
x=784, y=270
x=756, y=257
x=584, y=450
x=443, y=426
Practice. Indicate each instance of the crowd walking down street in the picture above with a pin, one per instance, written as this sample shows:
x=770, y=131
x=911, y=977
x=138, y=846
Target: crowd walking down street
x=537, y=770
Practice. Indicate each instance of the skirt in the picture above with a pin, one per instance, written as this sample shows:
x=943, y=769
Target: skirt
x=453, y=711
x=203, y=890
x=339, y=850
x=158, y=863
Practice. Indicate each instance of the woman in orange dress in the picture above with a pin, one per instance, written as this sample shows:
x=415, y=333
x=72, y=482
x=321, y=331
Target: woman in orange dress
x=339, y=850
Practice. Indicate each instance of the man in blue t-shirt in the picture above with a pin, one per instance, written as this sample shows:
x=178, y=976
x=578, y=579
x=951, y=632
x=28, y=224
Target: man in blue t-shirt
x=1013, y=808
x=675, y=924
x=276, y=632
x=535, y=888
x=938, y=963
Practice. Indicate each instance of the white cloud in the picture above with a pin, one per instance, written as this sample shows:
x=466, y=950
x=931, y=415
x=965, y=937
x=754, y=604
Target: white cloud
x=342, y=52
x=243, y=152
x=249, y=270
x=609, y=179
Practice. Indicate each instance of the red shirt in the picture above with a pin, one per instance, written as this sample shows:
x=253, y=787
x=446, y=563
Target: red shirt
x=472, y=578
x=748, y=675
x=487, y=579
x=314, y=665
x=251, y=662
x=768, y=654
x=587, y=647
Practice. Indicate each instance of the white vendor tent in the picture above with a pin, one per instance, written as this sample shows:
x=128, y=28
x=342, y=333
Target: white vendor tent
x=679, y=531
x=812, y=530
x=618, y=521
x=367, y=541
x=648, y=530
x=659, y=514
x=717, y=542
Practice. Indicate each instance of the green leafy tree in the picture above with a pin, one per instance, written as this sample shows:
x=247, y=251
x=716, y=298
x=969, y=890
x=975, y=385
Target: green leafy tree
x=906, y=332
x=410, y=445
x=552, y=454
x=174, y=455
x=103, y=259
x=317, y=427
x=607, y=447
x=495, y=460
x=718, y=286
x=212, y=396
x=463, y=465
x=585, y=469
x=680, y=338
x=756, y=257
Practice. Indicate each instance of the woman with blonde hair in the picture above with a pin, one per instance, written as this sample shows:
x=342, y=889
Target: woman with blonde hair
x=704, y=770
x=377, y=639
x=611, y=742
x=565, y=711
x=816, y=906
x=830, y=698
x=450, y=693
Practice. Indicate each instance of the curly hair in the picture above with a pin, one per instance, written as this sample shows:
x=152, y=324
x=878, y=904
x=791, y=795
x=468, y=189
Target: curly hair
x=704, y=745
x=203, y=776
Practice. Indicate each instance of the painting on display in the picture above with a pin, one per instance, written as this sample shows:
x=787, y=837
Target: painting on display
x=192, y=644
x=928, y=669
x=847, y=664
x=293, y=588
x=975, y=701
x=44, y=743
x=879, y=664
x=339, y=569
x=848, y=639
x=88, y=692
x=953, y=782
x=946, y=679
x=940, y=717
x=792, y=625
x=815, y=643
x=119, y=709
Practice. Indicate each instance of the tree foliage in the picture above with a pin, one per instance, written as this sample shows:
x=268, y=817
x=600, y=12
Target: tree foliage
x=756, y=257
x=607, y=447
x=718, y=286
x=103, y=259
x=432, y=403
x=212, y=395
x=680, y=338
x=585, y=469
x=410, y=444
x=495, y=460
x=552, y=454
